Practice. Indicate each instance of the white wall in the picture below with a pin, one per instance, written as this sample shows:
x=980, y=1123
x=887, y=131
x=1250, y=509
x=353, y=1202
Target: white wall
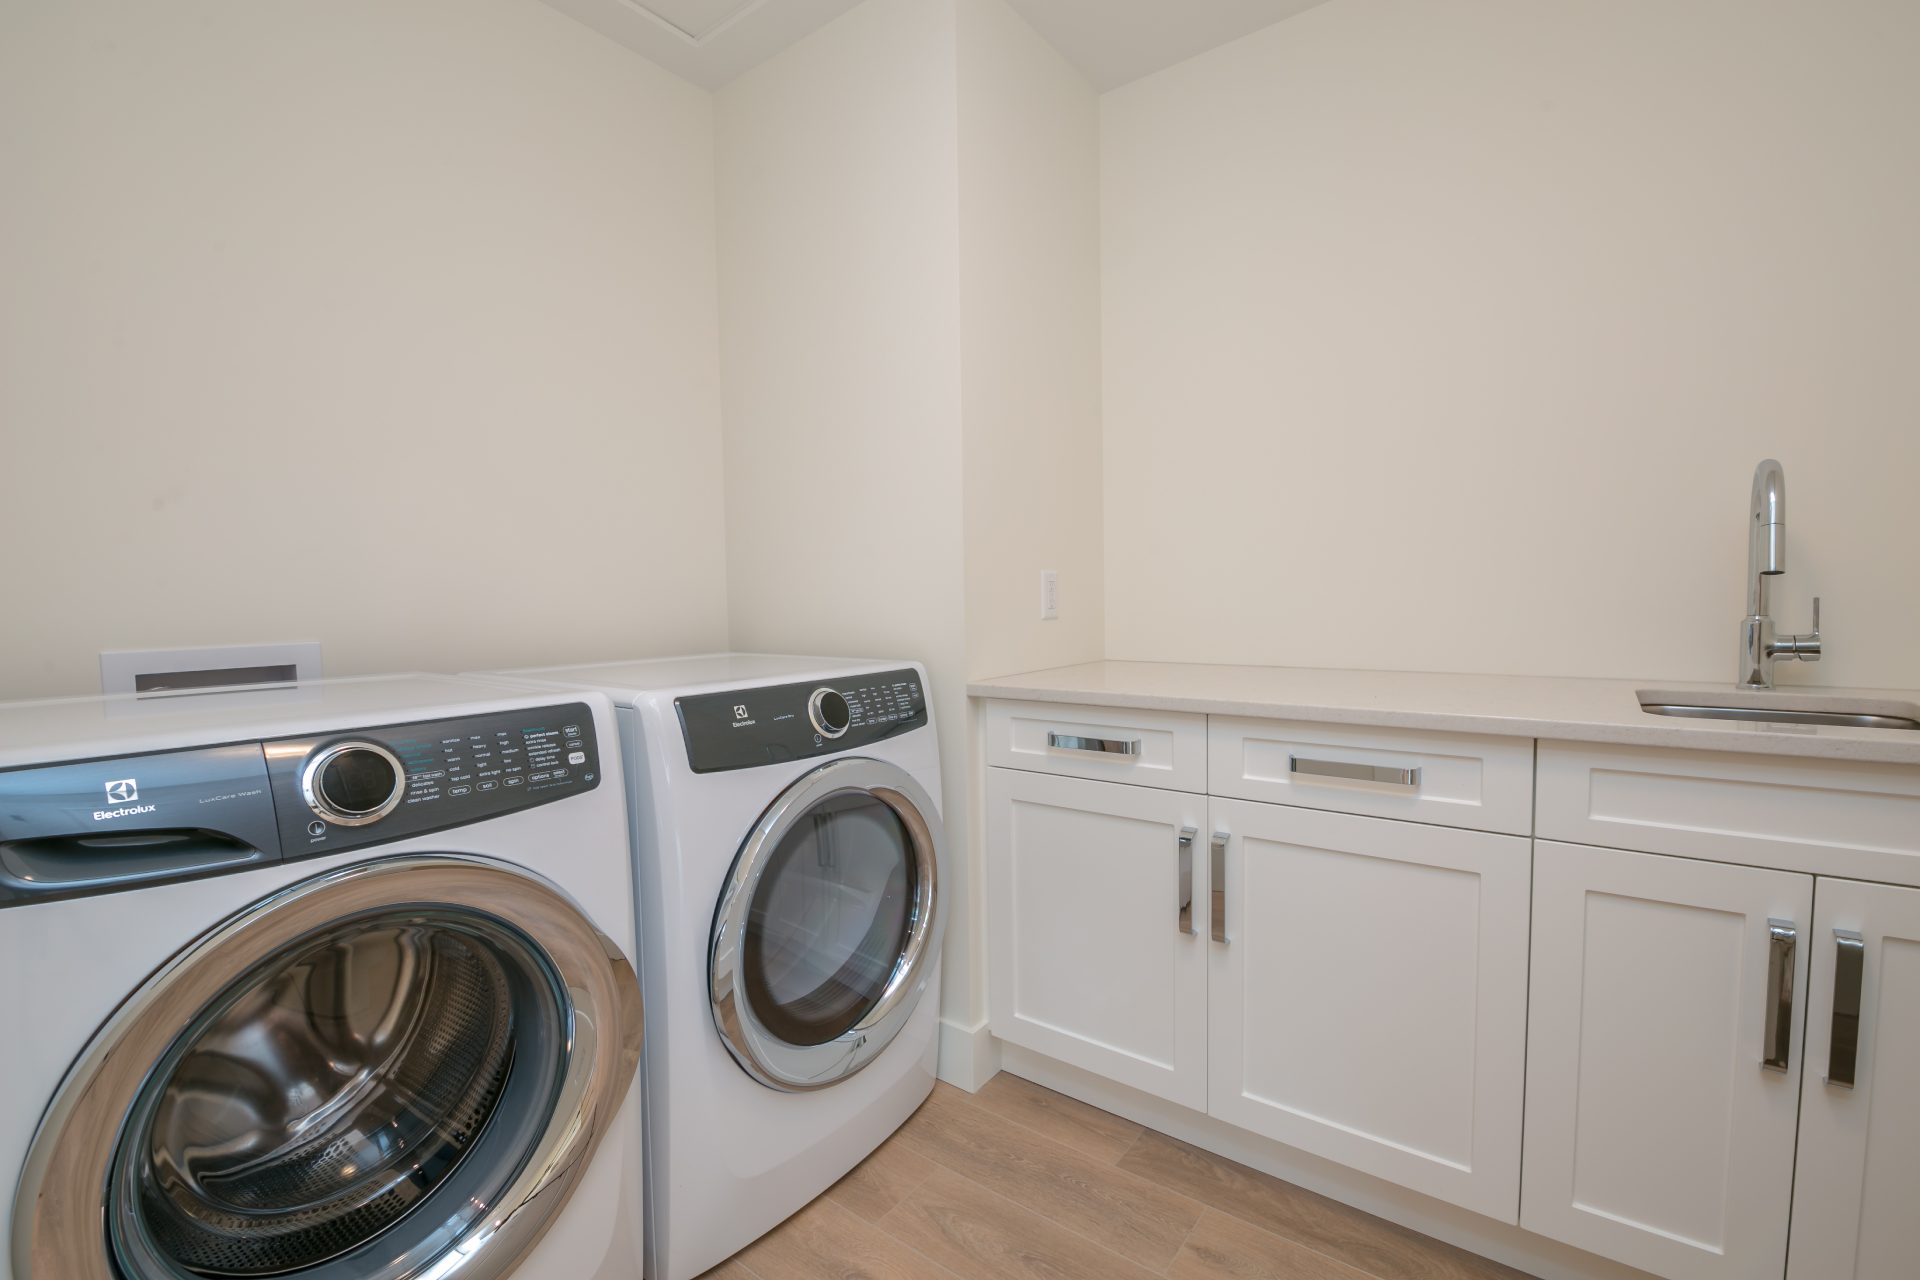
x=839, y=323
x=387, y=323
x=1030, y=334
x=1030, y=374
x=1446, y=336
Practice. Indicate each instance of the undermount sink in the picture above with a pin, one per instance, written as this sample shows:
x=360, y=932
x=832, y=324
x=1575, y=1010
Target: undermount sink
x=1781, y=708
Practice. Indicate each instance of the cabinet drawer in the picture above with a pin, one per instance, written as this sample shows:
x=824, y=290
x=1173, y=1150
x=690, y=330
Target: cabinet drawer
x=1145, y=748
x=1829, y=817
x=1453, y=780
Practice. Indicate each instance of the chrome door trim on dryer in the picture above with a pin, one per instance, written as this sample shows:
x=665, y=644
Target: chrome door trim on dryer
x=79, y=1151
x=765, y=1055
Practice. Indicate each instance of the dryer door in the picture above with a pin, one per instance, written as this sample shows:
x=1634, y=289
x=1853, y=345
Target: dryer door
x=828, y=925
x=395, y=1069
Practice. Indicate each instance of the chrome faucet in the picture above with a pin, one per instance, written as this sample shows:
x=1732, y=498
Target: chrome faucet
x=1766, y=557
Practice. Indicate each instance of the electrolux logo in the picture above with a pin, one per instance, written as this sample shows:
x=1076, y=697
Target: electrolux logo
x=739, y=711
x=121, y=792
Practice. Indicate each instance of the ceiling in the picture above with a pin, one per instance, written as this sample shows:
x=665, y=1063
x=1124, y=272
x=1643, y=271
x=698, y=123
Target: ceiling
x=706, y=41
x=1114, y=41
x=1111, y=41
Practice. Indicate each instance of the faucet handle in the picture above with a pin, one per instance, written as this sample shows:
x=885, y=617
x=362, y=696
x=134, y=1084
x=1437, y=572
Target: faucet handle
x=1805, y=648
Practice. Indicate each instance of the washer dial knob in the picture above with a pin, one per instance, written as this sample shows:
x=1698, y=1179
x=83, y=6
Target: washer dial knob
x=829, y=712
x=352, y=784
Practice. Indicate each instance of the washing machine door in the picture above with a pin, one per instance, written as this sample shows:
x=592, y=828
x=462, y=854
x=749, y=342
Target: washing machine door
x=828, y=925
x=395, y=1069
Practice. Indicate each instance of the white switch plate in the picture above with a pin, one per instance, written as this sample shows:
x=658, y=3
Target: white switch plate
x=1049, y=595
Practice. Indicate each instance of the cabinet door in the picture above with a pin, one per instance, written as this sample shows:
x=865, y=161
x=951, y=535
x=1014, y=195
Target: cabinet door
x=1857, y=1181
x=1658, y=1133
x=1369, y=1004
x=1088, y=958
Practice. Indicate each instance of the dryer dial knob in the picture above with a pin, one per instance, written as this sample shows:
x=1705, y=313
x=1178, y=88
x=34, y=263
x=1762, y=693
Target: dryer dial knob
x=829, y=713
x=352, y=784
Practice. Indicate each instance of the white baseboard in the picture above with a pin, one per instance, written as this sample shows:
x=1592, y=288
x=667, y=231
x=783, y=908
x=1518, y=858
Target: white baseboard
x=1535, y=1255
x=969, y=1056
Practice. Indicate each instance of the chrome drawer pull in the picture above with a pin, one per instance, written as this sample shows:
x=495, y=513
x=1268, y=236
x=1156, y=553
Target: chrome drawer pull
x=1843, y=1041
x=1100, y=746
x=1219, y=886
x=1186, y=878
x=1782, y=935
x=1302, y=766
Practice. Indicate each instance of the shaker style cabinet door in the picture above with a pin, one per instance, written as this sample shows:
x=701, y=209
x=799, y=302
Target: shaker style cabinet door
x=1664, y=1055
x=1369, y=998
x=1856, y=1188
x=1096, y=927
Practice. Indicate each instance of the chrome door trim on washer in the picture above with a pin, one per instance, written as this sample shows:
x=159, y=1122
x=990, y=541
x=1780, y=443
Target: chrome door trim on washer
x=58, y=1211
x=765, y=1056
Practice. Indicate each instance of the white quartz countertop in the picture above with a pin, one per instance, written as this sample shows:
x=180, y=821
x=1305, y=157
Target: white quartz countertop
x=1567, y=709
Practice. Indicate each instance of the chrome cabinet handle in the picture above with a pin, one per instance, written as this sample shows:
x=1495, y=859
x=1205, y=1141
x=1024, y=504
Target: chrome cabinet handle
x=1782, y=935
x=1219, y=886
x=1843, y=1041
x=1302, y=766
x=1100, y=746
x=1186, y=877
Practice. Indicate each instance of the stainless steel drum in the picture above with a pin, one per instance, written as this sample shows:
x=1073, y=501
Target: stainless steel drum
x=393, y=1070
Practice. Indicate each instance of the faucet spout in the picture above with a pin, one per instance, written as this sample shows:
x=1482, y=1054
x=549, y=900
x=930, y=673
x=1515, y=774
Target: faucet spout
x=1760, y=643
x=1767, y=539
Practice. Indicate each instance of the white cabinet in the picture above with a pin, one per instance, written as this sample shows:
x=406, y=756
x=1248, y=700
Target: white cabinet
x=1370, y=1002
x=1089, y=959
x=1657, y=1132
x=1857, y=1183
x=1712, y=1034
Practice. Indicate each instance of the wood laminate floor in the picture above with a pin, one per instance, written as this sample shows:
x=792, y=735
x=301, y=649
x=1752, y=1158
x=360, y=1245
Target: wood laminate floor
x=1017, y=1182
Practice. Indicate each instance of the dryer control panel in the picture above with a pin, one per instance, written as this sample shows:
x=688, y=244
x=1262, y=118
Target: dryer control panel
x=742, y=728
x=339, y=791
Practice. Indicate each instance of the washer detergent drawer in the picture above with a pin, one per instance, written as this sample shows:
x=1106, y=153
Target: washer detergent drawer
x=99, y=826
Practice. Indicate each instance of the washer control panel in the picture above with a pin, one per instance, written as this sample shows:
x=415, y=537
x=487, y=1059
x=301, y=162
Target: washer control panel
x=742, y=728
x=343, y=790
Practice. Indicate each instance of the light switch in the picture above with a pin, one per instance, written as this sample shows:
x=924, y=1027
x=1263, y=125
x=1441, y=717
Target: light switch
x=1049, y=595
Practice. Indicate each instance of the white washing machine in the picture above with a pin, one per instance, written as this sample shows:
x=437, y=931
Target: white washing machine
x=788, y=858
x=325, y=982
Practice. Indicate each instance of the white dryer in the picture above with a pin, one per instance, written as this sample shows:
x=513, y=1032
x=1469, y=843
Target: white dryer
x=789, y=857
x=325, y=982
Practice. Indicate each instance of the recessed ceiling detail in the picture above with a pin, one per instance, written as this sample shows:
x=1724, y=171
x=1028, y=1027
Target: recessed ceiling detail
x=1111, y=41
x=706, y=41
x=697, y=19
